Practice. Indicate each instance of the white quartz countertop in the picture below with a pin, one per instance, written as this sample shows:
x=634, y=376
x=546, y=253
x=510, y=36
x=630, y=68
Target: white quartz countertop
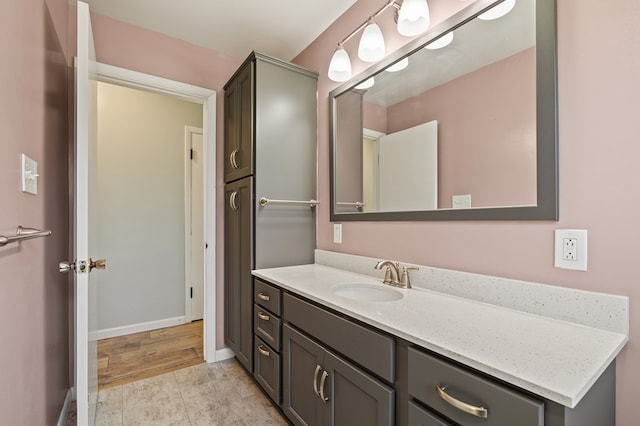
x=555, y=359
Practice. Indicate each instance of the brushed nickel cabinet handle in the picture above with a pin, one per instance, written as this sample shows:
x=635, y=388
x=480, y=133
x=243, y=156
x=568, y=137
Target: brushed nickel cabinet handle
x=461, y=405
x=263, y=351
x=232, y=201
x=233, y=158
x=315, y=380
x=322, y=383
x=264, y=297
x=263, y=316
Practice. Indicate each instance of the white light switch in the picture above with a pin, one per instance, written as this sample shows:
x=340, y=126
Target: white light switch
x=337, y=233
x=29, y=175
x=571, y=249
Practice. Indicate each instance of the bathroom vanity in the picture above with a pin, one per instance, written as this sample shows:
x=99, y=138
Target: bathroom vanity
x=332, y=347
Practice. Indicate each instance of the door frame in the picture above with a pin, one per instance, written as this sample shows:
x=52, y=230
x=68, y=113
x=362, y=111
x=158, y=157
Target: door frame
x=207, y=98
x=188, y=219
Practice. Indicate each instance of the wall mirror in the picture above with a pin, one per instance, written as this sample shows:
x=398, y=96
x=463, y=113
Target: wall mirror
x=467, y=131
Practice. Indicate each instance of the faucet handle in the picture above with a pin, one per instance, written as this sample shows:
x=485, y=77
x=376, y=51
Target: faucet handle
x=405, y=275
x=387, y=275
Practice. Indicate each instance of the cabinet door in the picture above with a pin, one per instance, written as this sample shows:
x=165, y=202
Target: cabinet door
x=354, y=397
x=301, y=373
x=238, y=266
x=238, y=133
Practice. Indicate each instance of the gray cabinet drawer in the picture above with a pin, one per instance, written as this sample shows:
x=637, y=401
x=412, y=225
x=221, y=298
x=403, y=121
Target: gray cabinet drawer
x=372, y=350
x=266, y=326
x=266, y=296
x=418, y=416
x=504, y=406
x=267, y=369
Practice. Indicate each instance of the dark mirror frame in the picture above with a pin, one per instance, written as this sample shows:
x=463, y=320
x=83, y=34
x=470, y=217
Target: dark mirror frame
x=547, y=129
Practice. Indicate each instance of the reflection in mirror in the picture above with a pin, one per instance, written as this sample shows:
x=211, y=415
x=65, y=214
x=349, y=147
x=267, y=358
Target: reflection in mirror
x=454, y=128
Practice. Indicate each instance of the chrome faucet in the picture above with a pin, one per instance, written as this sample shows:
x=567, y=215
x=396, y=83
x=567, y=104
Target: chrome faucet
x=392, y=275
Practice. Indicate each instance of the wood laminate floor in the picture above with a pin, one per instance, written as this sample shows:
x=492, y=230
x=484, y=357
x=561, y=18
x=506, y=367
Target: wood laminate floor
x=129, y=358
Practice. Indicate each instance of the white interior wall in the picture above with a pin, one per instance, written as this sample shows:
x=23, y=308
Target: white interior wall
x=141, y=204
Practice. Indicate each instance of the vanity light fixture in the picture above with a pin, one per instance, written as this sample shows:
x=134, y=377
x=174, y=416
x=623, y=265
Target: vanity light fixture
x=340, y=65
x=366, y=84
x=371, y=48
x=412, y=18
x=498, y=11
x=398, y=66
x=443, y=41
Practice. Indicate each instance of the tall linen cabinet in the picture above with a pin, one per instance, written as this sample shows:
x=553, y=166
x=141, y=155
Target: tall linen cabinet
x=270, y=139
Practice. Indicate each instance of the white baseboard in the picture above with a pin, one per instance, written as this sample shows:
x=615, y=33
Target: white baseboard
x=222, y=354
x=62, y=420
x=136, y=328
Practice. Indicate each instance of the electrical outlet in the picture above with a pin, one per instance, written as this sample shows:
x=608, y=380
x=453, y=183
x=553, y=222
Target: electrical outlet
x=571, y=249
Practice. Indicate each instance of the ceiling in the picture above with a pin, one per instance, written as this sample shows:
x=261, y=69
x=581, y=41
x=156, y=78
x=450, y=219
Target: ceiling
x=280, y=28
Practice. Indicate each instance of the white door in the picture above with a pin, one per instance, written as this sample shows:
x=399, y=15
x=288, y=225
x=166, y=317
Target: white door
x=85, y=281
x=194, y=230
x=408, y=169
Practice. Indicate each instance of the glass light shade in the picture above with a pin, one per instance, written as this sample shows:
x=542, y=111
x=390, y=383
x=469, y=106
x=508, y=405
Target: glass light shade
x=400, y=65
x=366, y=84
x=441, y=42
x=371, y=48
x=413, y=17
x=340, y=66
x=498, y=10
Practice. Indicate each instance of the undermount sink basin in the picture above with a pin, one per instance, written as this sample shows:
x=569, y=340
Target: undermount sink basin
x=366, y=292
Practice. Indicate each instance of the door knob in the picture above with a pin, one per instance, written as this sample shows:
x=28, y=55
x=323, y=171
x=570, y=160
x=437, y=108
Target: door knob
x=97, y=264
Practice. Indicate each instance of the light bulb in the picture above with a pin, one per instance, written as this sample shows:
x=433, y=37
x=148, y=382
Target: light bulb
x=413, y=17
x=400, y=65
x=371, y=48
x=441, y=42
x=366, y=84
x=498, y=11
x=340, y=66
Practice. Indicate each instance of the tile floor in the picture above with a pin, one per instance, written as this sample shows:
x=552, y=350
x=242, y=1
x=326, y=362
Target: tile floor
x=206, y=394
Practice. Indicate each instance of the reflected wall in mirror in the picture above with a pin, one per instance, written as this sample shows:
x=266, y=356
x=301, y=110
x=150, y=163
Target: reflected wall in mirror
x=464, y=131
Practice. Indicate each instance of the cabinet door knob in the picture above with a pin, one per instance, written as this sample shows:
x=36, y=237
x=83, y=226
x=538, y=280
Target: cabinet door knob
x=232, y=201
x=322, y=383
x=315, y=380
x=233, y=158
x=461, y=405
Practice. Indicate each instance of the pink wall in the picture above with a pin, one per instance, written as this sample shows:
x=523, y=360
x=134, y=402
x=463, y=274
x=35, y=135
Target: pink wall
x=486, y=142
x=136, y=49
x=34, y=296
x=599, y=100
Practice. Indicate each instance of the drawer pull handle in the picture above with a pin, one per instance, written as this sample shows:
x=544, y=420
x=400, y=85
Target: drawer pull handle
x=263, y=316
x=263, y=351
x=315, y=380
x=264, y=297
x=460, y=405
x=322, y=383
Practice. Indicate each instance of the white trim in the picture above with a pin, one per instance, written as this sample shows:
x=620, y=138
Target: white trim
x=222, y=354
x=137, y=328
x=207, y=98
x=64, y=413
x=372, y=134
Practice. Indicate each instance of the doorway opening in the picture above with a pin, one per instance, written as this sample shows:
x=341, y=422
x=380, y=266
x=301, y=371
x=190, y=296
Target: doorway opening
x=154, y=297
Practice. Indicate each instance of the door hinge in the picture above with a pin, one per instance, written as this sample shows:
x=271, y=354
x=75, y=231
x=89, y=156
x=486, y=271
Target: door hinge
x=191, y=154
x=191, y=290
